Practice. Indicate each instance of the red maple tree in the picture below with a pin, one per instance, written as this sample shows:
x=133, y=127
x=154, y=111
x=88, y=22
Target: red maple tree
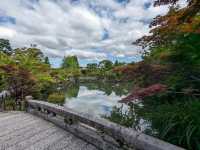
x=140, y=93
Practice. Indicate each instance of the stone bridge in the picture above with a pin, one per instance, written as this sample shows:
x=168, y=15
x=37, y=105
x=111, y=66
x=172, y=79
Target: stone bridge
x=46, y=126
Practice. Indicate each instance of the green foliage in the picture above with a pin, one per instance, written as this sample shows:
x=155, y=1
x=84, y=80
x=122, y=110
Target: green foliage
x=117, y=63
x=72, y=90
x=176, y=122
x=20, y=81
x=70, y=62
x=92, y=66
x=105, y=65
x=122, y=117
x=10, y=104
x=25, y=67
x=103, y=70
x=173, y=59
x=5, y=46
x=174, y=115
x=46, y=60
x=56, y=98
x=31, y=52
x=182, y=119
x=70, y=67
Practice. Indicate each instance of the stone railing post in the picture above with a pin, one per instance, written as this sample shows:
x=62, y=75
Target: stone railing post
x=26, y=105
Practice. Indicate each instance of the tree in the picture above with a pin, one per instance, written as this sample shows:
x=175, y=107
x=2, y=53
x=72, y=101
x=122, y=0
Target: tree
x=70, y=62
x=92, y=66
x=30, y=53
x=117, y=63
x=106, y=64
x=5, y=46
x=46, y=60
x=172, y=50
x=177, y=22
x=141, y=93
x=168, y=93
x=35, y=53
x=174, y=42
x=20, y=82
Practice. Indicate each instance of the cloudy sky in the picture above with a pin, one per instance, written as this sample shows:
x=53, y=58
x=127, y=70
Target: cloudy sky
x=91, y=29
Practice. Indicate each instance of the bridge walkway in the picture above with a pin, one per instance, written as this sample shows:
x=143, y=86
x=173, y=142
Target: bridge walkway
x=23, y=131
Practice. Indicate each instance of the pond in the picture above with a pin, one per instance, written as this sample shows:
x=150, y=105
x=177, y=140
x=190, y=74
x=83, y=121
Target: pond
x=96, y=98
x=168, y=120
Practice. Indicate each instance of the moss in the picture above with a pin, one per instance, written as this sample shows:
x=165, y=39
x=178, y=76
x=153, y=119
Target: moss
x=56, y=98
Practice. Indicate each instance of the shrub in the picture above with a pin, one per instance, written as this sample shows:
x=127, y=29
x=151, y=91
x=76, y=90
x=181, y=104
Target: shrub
x=56, y=98
x=10, y=104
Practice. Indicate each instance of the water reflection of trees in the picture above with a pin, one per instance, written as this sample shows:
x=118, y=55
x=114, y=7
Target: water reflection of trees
x=72, y=90
x=119, y=89
x=176, y=122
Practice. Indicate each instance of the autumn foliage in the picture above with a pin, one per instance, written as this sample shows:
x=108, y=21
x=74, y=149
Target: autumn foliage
x=20, y=82
x=177, y=21
x=171, y=52
x=150, y=73
x=140, y=93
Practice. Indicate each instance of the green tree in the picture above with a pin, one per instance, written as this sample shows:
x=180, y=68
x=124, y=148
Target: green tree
x=117, y=63
x=46, y=60
x=5, y=46
x=70, y=62
x=92, y=66
x=30, y=53
x=106, y=64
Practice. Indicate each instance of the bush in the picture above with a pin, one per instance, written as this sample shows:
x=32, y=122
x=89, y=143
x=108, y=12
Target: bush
x=56, y=98
x=10, y=104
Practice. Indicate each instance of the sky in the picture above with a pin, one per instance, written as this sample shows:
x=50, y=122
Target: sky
x=93, y=30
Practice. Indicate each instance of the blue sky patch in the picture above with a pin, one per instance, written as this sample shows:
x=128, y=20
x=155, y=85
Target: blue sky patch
x=147, y=5
x=123, y=1
x=7, y=20
x=105, y=34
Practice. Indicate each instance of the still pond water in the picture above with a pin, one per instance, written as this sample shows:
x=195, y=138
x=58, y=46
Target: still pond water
x=96, y=98
x=99, y=99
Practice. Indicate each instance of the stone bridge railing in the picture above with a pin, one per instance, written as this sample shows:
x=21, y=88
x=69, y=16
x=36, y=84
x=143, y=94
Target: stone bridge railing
x=101, y=133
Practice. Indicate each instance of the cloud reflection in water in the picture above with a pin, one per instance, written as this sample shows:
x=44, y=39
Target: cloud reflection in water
x=94, y=102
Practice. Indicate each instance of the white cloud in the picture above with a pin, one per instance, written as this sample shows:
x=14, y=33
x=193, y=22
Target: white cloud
x=86, y=54
x=7, y=33
x=93, y=102
x=81, y=54
x=61, y=28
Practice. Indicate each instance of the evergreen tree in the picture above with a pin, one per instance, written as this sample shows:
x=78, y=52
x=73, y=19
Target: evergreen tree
x=70, y=62
x=46, y=60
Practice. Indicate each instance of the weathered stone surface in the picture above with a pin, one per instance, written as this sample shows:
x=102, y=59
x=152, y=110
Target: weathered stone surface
x=88, y=135
x=108, y=135
x=23, y=131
